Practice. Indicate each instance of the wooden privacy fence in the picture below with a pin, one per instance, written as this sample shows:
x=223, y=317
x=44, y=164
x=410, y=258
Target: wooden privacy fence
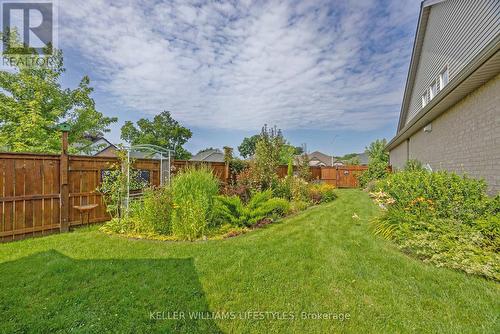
x=339, y=176
x=342, y=176
x=39, y=192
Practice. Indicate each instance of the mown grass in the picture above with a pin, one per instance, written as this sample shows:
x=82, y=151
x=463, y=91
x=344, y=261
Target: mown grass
x=321, y=260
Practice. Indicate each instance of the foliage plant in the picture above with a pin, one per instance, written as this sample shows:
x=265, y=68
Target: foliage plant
x=304, y=170
x=378, y=165
x=413, y=165
x=261, y=206
x=114, y=183
x=163, y=131
x=292, y=188
x=193, y=190
x=442, y=218
x=448, y=194
x=33, y=103
x=248, y=146
x=353, y=161
x=321, y=192
x=289, y=171
x=153, y=212
x=267, y=157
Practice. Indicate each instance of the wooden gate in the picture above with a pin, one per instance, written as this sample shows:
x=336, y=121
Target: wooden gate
x=342, y=176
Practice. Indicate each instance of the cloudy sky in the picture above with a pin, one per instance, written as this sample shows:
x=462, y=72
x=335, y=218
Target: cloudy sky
x=316, y=69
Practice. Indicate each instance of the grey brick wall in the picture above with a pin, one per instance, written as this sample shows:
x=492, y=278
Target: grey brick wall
x=464, y=139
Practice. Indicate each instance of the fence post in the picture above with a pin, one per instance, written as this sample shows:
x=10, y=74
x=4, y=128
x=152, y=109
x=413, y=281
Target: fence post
x=63, y=172
x=336, y=176
x=226, y=172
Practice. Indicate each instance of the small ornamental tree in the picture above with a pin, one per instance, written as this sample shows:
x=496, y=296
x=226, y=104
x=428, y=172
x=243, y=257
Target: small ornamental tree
x=267, y=156
x=304, y=169
x=379, y=162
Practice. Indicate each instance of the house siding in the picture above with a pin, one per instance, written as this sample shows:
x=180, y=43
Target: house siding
x=457, y=30
x=464, y=139
x=399, y=155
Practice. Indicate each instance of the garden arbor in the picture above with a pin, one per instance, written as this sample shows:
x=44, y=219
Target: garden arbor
x=149, y=151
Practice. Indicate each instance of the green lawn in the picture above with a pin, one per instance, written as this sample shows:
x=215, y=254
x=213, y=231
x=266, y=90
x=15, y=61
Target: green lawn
x=321, y=261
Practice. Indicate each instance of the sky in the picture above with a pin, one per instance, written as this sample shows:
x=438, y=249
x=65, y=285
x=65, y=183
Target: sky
x=330, y=74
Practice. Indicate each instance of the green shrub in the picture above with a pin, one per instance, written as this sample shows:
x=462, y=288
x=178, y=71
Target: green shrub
x=413, y=165
x=321, y=192
x=442, y=218
x=378, y=164
x=292, y=188
x=446, y=194
x=448, y=242
x=153, y=213
x=297, y=206
x=267, y=157
x=193, y=191
x=230, y=209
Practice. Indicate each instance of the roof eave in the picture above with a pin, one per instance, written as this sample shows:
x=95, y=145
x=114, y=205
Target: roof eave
x=483, y=67
x=415, y=57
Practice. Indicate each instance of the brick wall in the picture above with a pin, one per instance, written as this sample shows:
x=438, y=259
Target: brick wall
x=464, y=139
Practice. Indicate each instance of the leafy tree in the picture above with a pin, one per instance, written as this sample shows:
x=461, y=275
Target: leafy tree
x=304, y=170
x=379, y=161
x=32, y=103
x=268, y=153
x=287, y=153
x=299, y=150
x=248, y=146
x=162, y=131
x=348, y=156
x=353, y=161
x=376, y=150
x=228, y=154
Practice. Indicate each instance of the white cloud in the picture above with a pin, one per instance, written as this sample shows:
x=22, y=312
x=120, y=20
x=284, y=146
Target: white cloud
x=238, y=65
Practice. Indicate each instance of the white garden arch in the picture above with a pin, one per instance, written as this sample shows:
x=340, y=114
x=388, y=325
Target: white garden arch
x=153, y=152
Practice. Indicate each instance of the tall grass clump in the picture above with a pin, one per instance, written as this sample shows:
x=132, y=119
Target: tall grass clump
x=193, y=191
x=153, y=213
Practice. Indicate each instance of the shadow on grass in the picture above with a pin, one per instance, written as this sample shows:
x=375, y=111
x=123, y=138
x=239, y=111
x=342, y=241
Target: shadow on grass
x=49, y=292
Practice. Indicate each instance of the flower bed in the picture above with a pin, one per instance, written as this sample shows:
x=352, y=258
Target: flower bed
x=443, y=218
x=192, y=208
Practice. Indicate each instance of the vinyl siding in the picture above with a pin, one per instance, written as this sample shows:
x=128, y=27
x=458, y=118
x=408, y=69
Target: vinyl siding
x=464, y=139
x=457, y=30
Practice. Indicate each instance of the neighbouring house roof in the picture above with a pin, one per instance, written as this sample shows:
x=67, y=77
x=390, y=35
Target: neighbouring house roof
x=324, y=158
x=316, y=159
x=484, y=66
x=97, y=145
x=319, y=159
x=212, y=155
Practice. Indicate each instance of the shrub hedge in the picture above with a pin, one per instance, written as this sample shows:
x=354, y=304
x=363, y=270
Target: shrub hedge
x=443, y=218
